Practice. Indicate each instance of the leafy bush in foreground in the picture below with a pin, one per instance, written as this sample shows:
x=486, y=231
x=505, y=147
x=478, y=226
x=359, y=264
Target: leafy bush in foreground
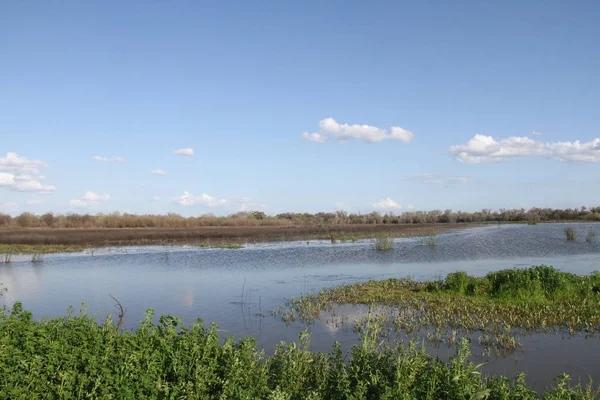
x=73, y=357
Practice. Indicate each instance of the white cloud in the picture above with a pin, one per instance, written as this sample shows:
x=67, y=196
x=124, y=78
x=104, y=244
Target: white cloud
x=482, y=149
x=342, y=206
x=537, y=133
x=432, y=179
x=386, y=204
x=368, y=133
x=35, y=201
x=108, y=159
x=7, y=179
x=246, y=204
x=7, y=207
x=410, y=207
x=188, y=199
x=33, y=186
x=314, y=137
x=159, y=172
x=184, y=152
x=22, y=174
x=90, y=199
x=155, y=198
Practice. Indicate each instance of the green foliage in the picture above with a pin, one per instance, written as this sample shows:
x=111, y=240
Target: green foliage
x=570, y=233
x=73, y=358
x=501, y=305
x=383, y=242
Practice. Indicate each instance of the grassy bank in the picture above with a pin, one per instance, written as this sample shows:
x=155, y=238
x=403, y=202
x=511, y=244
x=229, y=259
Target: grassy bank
x=500, y=305
x=73, y=358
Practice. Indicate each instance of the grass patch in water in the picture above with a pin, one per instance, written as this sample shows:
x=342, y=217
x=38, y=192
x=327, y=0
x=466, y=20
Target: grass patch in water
x=383, y=242
x=38, y=248
x=74, y=357
x=570, y=233
x=502, y=304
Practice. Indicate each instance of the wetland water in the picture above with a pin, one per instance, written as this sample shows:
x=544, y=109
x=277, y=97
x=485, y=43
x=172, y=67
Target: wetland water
x=231, y=287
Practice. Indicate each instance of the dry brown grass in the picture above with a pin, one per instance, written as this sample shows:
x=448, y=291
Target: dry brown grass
x=201, y=235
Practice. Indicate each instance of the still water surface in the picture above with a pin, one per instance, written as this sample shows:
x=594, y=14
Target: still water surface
x=230, y=287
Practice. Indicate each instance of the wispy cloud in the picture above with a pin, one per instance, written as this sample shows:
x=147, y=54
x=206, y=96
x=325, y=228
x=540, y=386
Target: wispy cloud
x=536, y=133
x=386, y=204
x=432, y=179
x=184, y=152
x=22, y=174
x=342, y=206
x=314, y=137
x=329, y=127
x=8, y=207
x=90, y=199
x=159, y=172
x=188, y=199
x=108, y=159
x=484, y=149
x=246, y=204
x=34, y=202
x=155, y=198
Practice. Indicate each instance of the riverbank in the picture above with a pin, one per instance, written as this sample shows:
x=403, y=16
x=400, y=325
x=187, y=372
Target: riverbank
x=68, y=240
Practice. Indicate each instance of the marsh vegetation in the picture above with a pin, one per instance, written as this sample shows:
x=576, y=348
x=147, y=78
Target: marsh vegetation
x=500, y=306
x=74, y=357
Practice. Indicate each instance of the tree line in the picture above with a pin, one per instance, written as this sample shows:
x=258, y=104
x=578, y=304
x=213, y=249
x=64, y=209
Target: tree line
x=259, y=218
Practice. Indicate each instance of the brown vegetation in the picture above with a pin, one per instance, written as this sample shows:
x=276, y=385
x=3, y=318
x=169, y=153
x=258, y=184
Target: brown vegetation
x=206, y=235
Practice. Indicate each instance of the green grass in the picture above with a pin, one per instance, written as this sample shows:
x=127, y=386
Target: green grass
x=383, y=242
x=73, y=357
x=501, y=305
x=591, y=236
x=570, y=233
x=38, y=248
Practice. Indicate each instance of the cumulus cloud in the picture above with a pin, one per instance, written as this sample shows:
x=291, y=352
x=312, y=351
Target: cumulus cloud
x=188, y=199
x=90, y=199
x=108, y=159
x=184, y=152
x=22, y=174
x=482, y=149
x=35, y=201
x=386, y=204
x=370, y=134
x=432, y=179
x=314, y=137
x=159, y=172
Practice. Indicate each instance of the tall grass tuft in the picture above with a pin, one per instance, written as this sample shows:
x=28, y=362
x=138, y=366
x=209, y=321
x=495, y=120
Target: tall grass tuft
x=37, y=257
x=430, y=240
x=570, y=233
x=591, y=236
x=384, y=242
x=5, y=258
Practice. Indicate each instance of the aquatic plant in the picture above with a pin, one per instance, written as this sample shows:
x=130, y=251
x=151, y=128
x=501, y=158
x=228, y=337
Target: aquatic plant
x=570, y=233
x=430, y=240
x=383, y=242
x=74, y=357
x=37, y=258
x=503, y=304
x=591, y=236
x=5, y=258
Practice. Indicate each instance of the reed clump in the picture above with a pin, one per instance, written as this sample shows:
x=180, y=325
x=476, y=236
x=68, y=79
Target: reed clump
x=383, y=242
x=570, y=233
x=74, y=357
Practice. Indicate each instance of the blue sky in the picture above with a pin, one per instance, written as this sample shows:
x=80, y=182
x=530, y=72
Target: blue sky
x=463, y=105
